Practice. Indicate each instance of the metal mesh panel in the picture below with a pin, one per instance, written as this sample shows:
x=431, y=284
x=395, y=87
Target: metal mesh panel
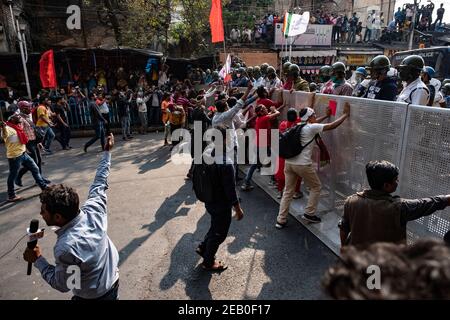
x=425, y=170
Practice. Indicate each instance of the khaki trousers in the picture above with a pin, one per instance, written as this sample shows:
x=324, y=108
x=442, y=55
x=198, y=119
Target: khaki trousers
x=309, y=176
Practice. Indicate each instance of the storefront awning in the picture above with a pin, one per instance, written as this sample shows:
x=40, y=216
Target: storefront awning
x=360, y=52
x=316, y=53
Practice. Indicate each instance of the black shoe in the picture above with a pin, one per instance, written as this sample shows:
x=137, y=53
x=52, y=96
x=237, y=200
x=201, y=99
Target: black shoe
x=46, y=181
x=279, y=225
x=310, y=218
x=85, y=149
x=18, y=183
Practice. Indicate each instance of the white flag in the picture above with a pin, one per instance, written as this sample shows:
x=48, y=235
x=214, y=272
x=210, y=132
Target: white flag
x=295, y=24
x=226, y=69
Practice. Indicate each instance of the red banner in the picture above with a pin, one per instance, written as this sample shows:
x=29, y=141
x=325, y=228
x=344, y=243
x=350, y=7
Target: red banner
x=47, y=70
x=215, y=20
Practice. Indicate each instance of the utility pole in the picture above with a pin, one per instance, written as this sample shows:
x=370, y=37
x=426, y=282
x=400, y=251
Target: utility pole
x=22, y=45
x=413, y=23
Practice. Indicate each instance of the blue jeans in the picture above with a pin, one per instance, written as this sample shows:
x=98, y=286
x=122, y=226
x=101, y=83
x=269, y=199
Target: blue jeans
x=48, y=135
x=99, y=134
x=125, y=121
x=14, y=166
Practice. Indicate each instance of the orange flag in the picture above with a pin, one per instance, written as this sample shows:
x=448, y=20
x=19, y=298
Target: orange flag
x=215, y=20
x=47, y=70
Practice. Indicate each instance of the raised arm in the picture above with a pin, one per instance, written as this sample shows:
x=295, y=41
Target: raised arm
x=96, y=204
x=340, y=120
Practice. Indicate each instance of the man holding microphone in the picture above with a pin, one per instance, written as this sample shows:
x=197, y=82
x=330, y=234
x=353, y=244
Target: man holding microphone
x=82, y=241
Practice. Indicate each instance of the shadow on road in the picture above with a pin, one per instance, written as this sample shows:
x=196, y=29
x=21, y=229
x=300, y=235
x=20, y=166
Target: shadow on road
x=172, y=207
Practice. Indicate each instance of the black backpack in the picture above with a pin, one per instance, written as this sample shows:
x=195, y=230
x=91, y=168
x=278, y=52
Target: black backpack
x=204, y=179
x=290, y=142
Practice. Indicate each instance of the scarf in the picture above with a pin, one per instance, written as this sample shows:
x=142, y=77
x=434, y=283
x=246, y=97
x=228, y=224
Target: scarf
x=324, y=154
x=20, y=133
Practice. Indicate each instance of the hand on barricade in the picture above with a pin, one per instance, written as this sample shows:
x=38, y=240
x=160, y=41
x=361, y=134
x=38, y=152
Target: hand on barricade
x=347, y=109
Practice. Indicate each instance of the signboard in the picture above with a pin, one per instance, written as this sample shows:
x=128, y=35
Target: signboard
x=315, y=35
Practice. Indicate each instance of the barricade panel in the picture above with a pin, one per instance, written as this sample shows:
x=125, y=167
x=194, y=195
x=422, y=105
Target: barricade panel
x=425, y=167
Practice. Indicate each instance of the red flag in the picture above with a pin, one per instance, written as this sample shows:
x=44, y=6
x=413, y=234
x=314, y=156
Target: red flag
x=47, y=70
x=215, y=20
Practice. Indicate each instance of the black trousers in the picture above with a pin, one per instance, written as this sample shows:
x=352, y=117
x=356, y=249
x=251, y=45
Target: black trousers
x=63, y=136
x=218, y=231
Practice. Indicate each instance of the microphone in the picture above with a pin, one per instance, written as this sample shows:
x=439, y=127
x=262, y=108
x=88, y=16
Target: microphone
x=34, y=225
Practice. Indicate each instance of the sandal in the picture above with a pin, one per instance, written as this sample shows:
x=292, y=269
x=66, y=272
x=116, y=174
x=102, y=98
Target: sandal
x=218, y=266
x=15, y=199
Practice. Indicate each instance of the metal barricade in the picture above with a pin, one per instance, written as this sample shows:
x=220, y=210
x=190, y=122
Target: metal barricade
x=425, y=165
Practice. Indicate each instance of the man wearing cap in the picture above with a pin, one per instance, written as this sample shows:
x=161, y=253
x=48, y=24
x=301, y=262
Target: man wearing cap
x=415, y=91
x=382, y=87
x=426, y=77
x=33, y=141
x=301, y=166
x=15, y=142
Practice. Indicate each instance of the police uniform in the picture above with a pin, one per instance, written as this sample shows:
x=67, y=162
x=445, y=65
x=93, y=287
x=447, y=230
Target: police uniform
x=415, y=93
x=382, y=90
x=301, y=85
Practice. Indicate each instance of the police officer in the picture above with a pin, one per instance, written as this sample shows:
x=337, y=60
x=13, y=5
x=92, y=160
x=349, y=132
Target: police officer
x=259, y=79
x=250, y=74
x=415, y=91
x=273, y=82
x=299, y=84
x=326, y=85
x=341, y=86
x=286, y=66
x=264, y=68
x=445, y=90
x=382, y=87
x=241, y=79
x=361, y=82
x=426, y=76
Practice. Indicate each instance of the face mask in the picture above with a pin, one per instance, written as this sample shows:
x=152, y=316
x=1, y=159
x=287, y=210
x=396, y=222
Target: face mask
x=404, y=75
x=335, y=80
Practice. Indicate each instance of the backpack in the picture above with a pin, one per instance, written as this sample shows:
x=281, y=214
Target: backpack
x=204, y=178
x=290, y=142
x=177, y=118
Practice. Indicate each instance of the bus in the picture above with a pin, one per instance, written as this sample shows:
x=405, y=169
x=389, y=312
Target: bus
x=437, y=57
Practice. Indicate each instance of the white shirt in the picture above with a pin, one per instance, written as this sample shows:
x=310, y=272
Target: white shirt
x=155, y=100
x=225, y=120
x=274, y=84
x=260, y=82
x=308, y=133
x=162, y=78
x=415, y=93
x=142, y=104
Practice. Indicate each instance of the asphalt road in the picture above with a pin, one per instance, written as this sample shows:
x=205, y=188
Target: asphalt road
x=156, y=223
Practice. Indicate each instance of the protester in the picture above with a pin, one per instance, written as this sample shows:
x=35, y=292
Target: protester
x=34, y=139
x=97, y=121
x=301, y=165
x=376, y=216
x=44, y=124
x=220, y=208
x=15, y=141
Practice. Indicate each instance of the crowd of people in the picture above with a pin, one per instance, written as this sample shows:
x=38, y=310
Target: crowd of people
x=222, y=105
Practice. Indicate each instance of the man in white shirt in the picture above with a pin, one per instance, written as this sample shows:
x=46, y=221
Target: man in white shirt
x=415, y=91
x=302, y=165
x=141, y=102
x=224, y=117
